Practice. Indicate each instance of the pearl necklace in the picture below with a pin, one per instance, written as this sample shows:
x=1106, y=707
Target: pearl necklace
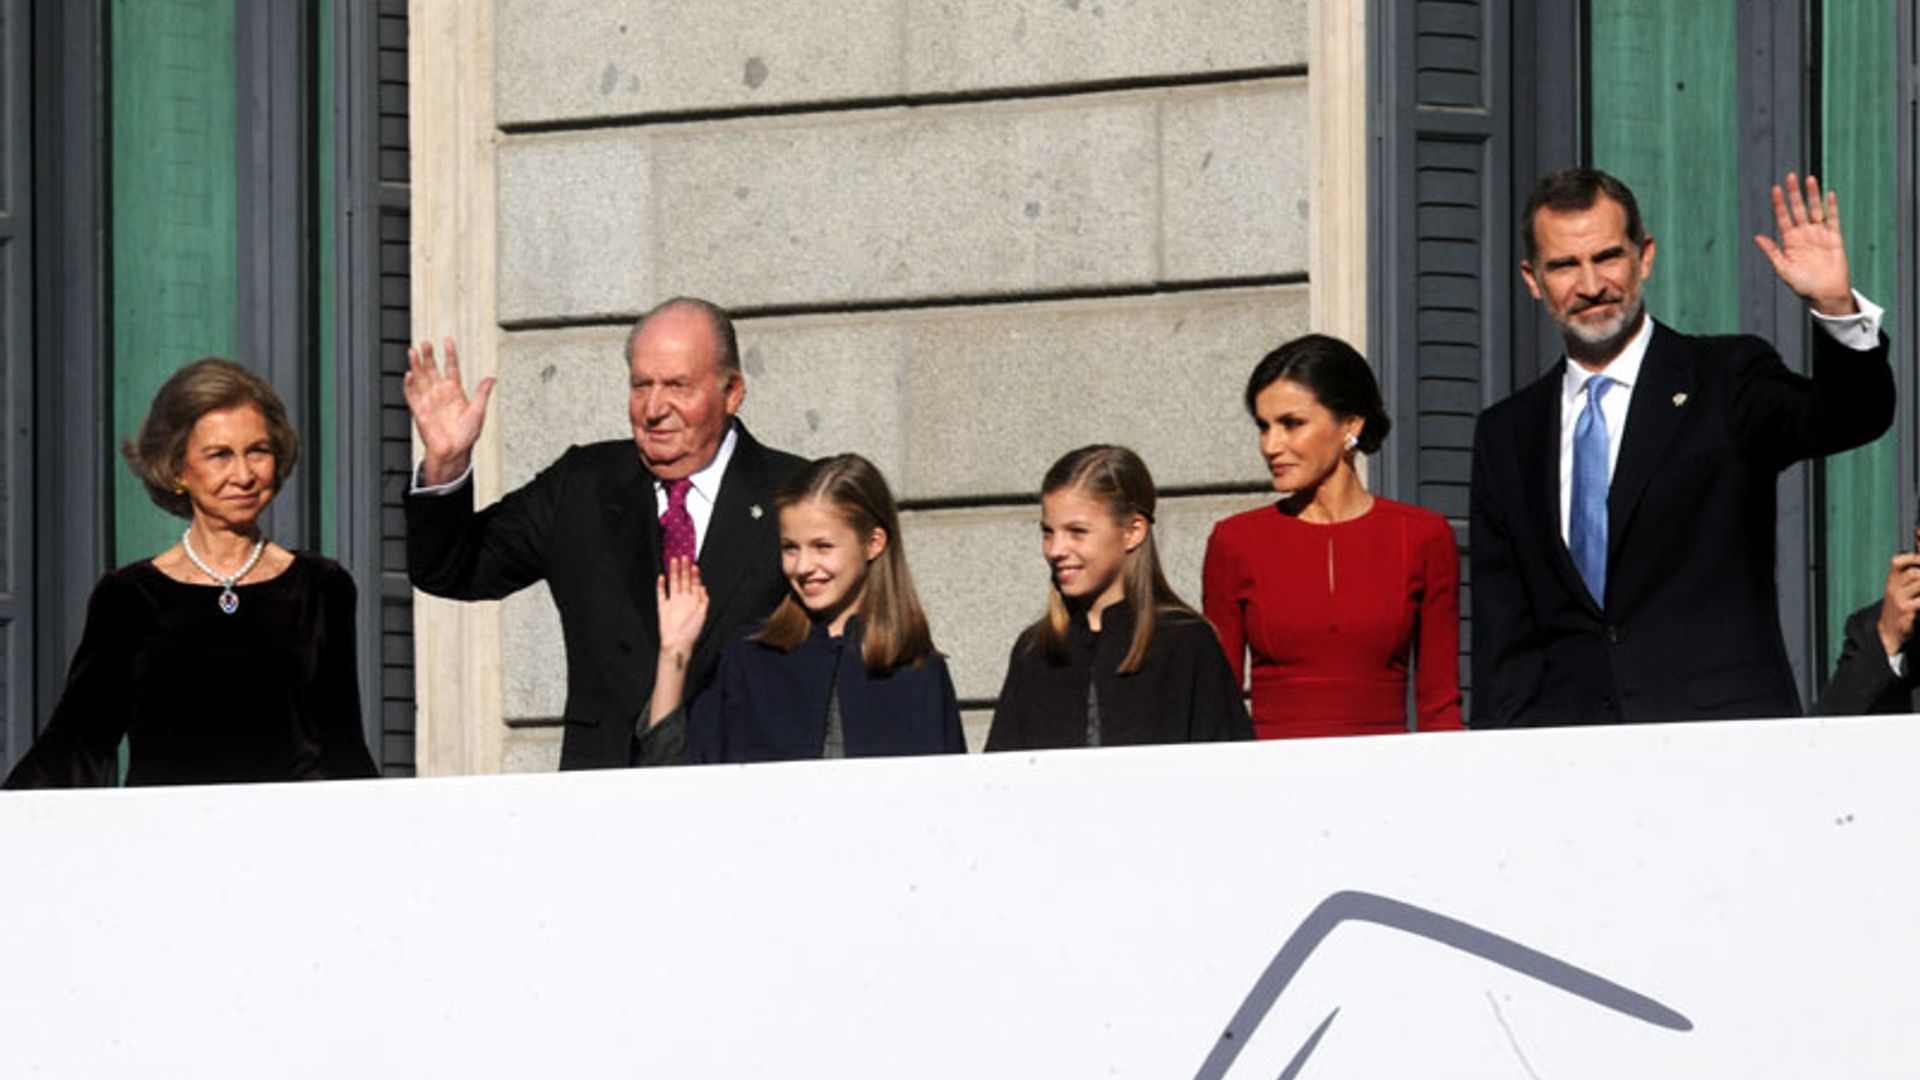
x=229, y=600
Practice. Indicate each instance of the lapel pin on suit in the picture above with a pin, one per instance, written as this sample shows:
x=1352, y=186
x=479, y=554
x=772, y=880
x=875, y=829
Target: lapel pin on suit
x=755, y=511
x=1679, y=399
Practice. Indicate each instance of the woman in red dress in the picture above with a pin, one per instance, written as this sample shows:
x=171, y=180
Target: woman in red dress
x=1334, y=592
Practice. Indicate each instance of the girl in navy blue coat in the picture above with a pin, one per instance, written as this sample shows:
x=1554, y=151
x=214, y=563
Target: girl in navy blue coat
x=845, y=667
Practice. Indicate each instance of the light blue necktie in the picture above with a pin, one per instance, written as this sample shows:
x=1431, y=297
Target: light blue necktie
x=1587, y=516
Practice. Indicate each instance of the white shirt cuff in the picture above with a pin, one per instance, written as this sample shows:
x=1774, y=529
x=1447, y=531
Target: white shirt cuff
x=1859, y=331
x=1898, y=662
x=421, y=487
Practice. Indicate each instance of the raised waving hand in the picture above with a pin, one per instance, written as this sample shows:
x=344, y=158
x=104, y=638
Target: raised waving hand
x=448, y=420
x=681, y=603
x=1810, y=257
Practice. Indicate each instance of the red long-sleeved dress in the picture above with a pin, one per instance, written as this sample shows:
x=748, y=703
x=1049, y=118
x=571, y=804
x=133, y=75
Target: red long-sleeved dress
x=1334, y=615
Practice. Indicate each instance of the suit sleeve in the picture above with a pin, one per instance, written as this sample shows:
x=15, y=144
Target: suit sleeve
x=1783, y=417
x=1436, y=675
x=1863, y=682
x=454, y=552
x=1505, y=662
x=664, y=743
x=343, y=739
x=81, y=744
x=1223, y=592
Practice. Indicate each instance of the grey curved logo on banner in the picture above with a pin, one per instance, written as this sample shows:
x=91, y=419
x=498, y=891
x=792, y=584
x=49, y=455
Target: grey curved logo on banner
x=1349, y=906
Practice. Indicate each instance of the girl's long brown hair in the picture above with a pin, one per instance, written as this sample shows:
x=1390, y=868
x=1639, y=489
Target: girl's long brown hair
x=894, y=630
x=1116, y=477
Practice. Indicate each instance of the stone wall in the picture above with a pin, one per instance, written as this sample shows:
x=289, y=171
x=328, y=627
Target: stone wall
x=961, y=238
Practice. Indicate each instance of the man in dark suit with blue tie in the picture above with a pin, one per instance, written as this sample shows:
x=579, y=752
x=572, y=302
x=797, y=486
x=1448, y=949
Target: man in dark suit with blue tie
x=1623, y=506
x=598, y=524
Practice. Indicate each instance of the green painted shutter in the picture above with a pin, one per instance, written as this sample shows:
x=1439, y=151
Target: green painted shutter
x=1664, y=119
x=173, y=220
x=1859, y=113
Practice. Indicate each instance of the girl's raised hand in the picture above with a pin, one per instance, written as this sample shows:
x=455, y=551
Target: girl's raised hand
x=682, y=604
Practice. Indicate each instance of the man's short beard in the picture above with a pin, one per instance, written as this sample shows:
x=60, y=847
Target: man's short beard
x=1610, y=335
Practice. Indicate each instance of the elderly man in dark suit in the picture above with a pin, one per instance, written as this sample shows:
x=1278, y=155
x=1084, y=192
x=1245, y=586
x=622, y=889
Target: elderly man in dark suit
x=1623, y=505
x=1879, y=666
x=599, y=524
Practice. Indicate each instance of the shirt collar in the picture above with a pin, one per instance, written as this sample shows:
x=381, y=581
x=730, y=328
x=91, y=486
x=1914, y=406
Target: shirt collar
x=706, y=481
x=1624, y=370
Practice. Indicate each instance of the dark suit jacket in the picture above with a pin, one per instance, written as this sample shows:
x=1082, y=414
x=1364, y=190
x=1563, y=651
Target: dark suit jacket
x=1863, y=682
x=1691, y=624
x=587, y=525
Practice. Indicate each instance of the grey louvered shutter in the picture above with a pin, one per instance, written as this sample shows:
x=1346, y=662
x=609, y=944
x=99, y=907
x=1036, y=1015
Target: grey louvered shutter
x=1443, y=315
x=16, y=402
x=376, y=327
x=1470, y=99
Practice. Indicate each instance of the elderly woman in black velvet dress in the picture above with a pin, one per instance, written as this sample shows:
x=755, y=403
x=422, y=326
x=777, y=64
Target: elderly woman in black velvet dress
x=226, y=657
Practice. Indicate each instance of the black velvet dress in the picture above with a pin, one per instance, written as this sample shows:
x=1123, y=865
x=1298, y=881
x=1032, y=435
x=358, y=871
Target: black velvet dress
x=202, y=697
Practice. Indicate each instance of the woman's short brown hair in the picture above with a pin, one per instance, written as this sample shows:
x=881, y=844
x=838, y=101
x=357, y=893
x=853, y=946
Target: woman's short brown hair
x=158, y=452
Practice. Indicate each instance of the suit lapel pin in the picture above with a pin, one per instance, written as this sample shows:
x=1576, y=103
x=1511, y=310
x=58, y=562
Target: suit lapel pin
x=1679, y=399
x=755, y=511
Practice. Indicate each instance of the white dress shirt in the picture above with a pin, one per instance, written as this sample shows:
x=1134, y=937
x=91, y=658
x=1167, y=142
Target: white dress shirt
x=1859, y=332
x=705, y=491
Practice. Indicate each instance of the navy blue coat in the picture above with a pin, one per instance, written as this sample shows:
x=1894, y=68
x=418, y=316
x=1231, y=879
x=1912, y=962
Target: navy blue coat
x=768, y=705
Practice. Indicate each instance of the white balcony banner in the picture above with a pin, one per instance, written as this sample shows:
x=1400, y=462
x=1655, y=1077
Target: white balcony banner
x=1712, y=900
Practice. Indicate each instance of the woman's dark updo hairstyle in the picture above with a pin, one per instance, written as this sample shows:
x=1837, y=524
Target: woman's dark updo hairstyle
x=1338, y=377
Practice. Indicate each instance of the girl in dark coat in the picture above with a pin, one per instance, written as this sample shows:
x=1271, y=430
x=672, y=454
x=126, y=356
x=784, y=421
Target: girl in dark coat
x=845, y=667
x=1118, y=658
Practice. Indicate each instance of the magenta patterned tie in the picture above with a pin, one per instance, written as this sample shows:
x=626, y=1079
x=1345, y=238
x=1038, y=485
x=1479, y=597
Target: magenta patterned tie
x=676, y=525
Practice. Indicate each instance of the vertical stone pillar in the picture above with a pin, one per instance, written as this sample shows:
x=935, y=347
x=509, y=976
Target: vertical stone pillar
x=450, y=71
x=1337, y=238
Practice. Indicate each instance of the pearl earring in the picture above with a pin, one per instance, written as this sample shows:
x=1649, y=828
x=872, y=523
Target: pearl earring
x=1353, y=442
